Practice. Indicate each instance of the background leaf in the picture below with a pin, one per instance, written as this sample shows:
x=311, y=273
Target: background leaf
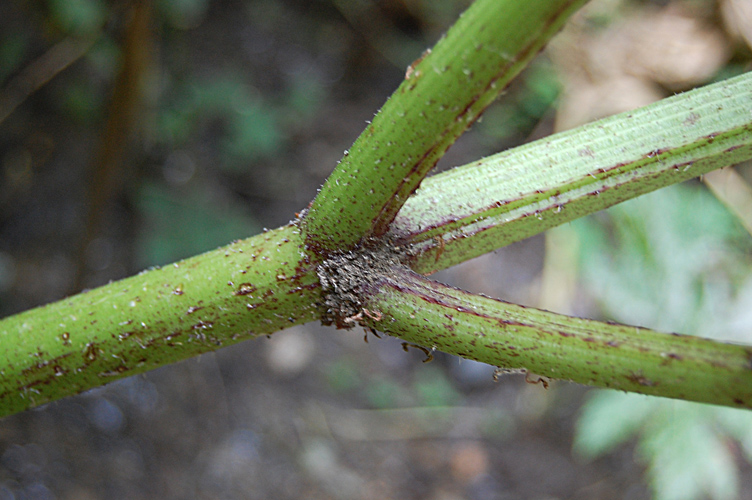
x=674, y=260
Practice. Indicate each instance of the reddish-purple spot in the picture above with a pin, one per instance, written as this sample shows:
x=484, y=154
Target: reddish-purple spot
x=90, y=352
x=641, y=380
x=245, y=289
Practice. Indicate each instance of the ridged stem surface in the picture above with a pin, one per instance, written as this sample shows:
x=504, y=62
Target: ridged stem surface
x=590, y=352
x=443, y=93
x=474, y=209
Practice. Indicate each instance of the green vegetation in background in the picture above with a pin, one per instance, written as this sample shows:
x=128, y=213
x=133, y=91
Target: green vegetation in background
x=13, y=53
x=342, y=375
x=183, y=14
x=434, y=388
x=177, y=225
x=79, y=101
x=250, y=127
x=675, y=260
x=78, y=17
x=515, y=116
x=82, y=96
x=253, y=127
x=430, y=387
x=382, y=392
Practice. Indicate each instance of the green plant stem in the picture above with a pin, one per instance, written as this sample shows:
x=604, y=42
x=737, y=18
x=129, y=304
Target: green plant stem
x=191, y=307
x=474, y=209
x=268, y=282
x=443, y=93
x=561, y=347
x=249, y=288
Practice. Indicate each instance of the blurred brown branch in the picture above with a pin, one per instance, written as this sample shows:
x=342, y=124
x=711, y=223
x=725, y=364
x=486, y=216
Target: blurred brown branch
x=41, y=71
x=108, y=175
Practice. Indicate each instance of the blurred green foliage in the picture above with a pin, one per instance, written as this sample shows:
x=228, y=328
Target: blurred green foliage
x=13, y=48
x=430, y=387
x=673, y=260
x=79, y=103
x=342, y=375
x=250, y=127
x=78, y=17
x=183, y=13
x=434, y=388
x=222, y=115
x=514, y=117
x=179, y=225
x=383, y=392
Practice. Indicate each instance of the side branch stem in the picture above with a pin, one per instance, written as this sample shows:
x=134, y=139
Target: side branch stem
x=513, y=195
x=614, y=356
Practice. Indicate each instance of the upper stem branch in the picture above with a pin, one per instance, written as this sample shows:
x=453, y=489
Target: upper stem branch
x=443, y=93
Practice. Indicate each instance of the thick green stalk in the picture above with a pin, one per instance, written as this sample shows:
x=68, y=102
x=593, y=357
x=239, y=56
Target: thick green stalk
x=474, y=209
x=557, y=346
x=443, y=93
x=268, y=282
x=249, y=288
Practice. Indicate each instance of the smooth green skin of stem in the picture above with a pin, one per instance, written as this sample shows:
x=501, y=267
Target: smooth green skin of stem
x=589, y=352
x=471, y=210
x=249, y=288
x=443, y=94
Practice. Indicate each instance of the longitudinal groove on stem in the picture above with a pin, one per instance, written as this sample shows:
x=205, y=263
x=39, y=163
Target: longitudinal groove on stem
x=474, y=209
x=590, y=352
x=443, y=93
